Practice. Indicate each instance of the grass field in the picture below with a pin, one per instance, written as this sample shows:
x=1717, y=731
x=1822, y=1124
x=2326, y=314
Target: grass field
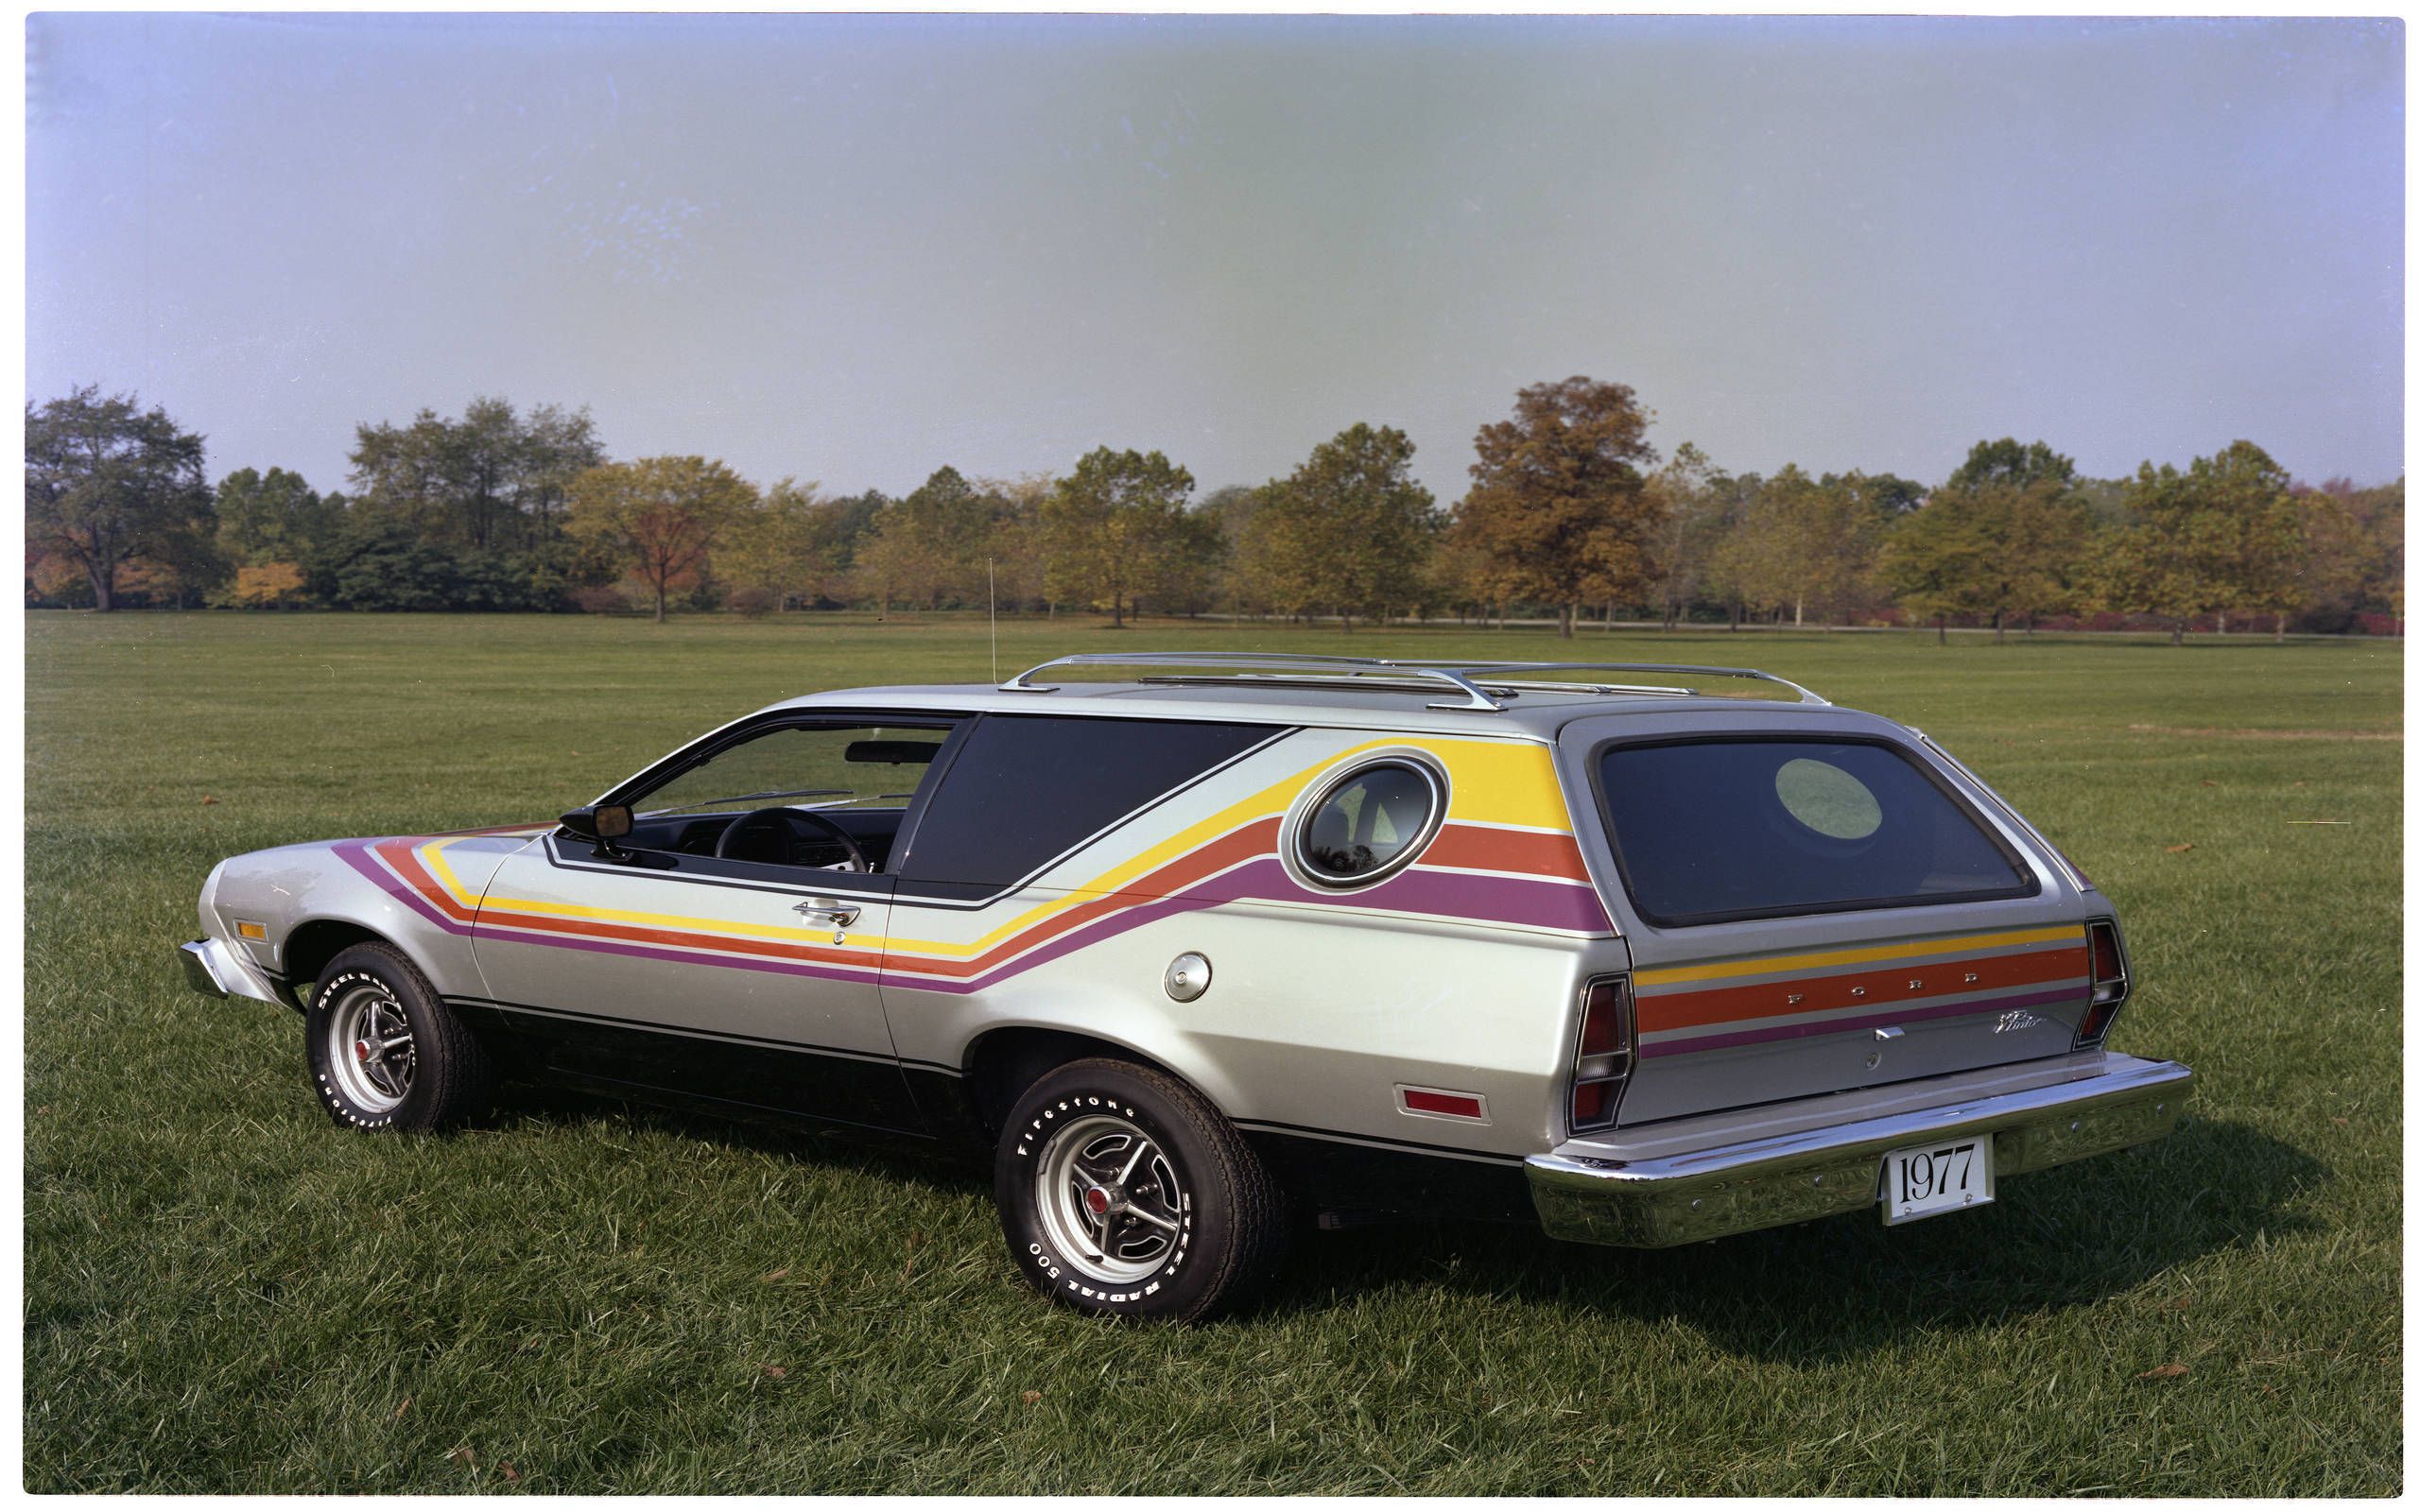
x=223, y=1293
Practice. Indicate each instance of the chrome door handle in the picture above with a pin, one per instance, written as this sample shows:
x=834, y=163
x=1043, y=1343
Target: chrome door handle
x=837, y=915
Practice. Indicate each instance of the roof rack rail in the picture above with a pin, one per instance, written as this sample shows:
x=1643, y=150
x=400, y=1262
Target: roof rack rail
x=1477, y=683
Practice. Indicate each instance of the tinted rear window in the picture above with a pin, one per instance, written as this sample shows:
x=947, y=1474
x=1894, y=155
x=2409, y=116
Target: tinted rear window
x=1025, y=788
x=1707, y=831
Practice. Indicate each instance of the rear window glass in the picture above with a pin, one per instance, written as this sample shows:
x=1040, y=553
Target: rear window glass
x=1026, y=789
x=1708, y=831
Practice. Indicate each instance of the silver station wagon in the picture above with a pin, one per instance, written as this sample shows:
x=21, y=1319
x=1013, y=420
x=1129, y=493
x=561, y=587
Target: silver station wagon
x=1197, y=943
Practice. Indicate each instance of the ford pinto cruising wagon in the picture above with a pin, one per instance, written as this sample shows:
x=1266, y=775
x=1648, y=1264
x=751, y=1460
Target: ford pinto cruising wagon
x=1232, y=935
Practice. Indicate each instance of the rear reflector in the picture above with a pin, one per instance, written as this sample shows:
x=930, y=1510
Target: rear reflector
x=1606, y=1048
x=1444, y=1105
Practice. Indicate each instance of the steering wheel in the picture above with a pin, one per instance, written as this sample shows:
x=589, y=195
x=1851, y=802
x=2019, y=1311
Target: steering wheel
x=788, y=821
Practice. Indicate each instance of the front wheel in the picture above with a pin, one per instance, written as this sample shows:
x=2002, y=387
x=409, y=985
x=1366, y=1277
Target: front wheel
x=1123, y=1192
x=385, y=1051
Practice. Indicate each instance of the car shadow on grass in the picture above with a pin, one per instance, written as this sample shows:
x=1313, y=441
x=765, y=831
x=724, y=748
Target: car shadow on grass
x=2056, y=1239
x=900, y=1158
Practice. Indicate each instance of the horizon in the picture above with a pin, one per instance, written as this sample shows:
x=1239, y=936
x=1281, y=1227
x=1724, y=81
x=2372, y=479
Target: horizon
x=854, y=249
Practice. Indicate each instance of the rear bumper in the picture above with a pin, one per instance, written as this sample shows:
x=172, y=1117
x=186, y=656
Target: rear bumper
x=1704, y=1194
x=214, y=966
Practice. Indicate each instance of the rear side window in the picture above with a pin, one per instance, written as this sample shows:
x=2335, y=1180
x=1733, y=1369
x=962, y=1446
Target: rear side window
x=1025, y=789
x=1713, y=830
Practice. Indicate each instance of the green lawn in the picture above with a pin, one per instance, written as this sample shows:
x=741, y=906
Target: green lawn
x=224, y=1292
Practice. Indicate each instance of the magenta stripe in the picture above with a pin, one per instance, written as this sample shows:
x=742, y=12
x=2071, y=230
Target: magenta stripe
x=1870, y=1021
x=656, y=953
x=356, y=855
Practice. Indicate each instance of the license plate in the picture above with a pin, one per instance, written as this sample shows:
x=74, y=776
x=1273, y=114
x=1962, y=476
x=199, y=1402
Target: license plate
x=1931, y=1179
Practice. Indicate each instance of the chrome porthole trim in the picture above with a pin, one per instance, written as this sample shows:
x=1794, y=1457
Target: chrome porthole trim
x=371, y=1051
x=1294, y=832
x=1110, y=1199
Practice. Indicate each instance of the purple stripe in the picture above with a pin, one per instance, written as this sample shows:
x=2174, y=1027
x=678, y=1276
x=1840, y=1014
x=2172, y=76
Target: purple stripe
x=1538, y=902
x=1266, y=880
x=1870, y=1021
x=356, y=855
x=655, y=953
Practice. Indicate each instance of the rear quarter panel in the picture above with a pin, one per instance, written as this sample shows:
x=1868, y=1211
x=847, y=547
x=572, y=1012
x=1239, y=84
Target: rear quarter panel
x=1461, y=972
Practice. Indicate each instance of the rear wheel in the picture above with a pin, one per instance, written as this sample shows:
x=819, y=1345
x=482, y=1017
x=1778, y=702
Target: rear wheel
x=385, y=1051
x=1123, y=1192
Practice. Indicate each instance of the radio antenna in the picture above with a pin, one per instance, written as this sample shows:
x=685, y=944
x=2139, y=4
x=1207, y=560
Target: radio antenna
x=991, y=581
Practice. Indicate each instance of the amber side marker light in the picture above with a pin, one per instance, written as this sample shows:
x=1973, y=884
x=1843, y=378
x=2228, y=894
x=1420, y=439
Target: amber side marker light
x=2108, y=985
x=1607, y=1048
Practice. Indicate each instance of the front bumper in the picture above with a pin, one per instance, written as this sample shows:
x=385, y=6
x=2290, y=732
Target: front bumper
x=1675, y=1199
x=214, y=966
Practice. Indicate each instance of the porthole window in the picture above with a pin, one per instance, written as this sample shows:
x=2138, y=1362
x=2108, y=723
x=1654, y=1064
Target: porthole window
x=1369, y=823
x=1827, y=799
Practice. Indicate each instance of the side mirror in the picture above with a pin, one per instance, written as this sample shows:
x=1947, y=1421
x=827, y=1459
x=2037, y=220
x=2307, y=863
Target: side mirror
x=600, y=825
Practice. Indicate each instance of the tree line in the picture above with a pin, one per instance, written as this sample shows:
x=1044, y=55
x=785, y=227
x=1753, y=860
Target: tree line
x=1571, y=514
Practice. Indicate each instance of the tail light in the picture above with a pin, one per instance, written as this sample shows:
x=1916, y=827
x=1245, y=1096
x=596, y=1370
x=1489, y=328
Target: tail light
x=2109, y=985
x=1607, y=1047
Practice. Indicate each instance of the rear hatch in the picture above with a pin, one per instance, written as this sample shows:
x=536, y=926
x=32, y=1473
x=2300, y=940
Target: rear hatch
x=1814, y=904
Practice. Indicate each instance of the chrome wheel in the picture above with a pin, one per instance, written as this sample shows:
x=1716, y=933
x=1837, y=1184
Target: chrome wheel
x=1109, y=1198
x=370, y=1048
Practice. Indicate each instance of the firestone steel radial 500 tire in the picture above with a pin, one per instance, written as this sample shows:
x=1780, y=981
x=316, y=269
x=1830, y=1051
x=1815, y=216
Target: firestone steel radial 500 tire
x=384, y=1050
x=1123, y=1192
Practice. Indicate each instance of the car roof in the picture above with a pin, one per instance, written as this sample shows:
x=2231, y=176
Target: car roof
x=1531, y=698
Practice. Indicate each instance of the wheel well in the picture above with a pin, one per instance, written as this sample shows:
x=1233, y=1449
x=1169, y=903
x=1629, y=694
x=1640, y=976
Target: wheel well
x=313, y=945
x=1000, y=1065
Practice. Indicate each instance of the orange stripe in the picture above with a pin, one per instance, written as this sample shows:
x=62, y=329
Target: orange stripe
x=1730, y=1004
x=1478, y=847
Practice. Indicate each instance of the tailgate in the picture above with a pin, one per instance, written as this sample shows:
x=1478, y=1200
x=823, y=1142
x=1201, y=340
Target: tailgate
x=1818, y=905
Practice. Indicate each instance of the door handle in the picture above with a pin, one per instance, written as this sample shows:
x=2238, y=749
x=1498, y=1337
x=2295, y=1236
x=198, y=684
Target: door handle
x=837, y=915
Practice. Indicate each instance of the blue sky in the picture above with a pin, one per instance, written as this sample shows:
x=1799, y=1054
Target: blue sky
x=855, y=248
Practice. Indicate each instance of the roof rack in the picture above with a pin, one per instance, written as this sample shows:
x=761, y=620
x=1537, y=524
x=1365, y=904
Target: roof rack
x=1479, y=686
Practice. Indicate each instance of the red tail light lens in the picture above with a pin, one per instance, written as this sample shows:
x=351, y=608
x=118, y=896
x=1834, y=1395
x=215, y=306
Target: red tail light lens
x=1602, y=1065
x=1600, y=1027
x=2109, y=985
x=1589, y=1103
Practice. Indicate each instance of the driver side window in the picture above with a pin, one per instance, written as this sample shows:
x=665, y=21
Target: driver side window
x=826, y=797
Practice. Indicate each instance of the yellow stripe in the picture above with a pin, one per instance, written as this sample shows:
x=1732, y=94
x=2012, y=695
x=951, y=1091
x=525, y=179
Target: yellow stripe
x=1493, y=782
x=444, y=874
x=1761, y=965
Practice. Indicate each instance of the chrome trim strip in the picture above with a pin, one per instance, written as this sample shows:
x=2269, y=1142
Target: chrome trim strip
x=1728, y=1189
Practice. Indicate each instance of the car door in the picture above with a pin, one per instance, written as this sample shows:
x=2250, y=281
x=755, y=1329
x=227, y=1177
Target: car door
x=730, y=947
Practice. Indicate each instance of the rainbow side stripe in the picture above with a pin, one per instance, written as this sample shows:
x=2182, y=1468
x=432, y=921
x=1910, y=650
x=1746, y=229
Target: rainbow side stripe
x=1760, y=998
x=1505, y=856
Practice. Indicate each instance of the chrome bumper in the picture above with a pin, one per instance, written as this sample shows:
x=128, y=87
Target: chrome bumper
x=1730, y=1188
x=211, y=966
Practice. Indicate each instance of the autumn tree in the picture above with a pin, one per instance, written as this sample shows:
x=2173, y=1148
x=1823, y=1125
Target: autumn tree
x=2222, y=535
x=1558, y=510
x=780, y=548
x=929, y=547
x=660, y=516
x=108, y=482
x=1995, y=548
x=1117, y=527
x=1693, y=500
x=1802, y=543
x=1349, y=532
